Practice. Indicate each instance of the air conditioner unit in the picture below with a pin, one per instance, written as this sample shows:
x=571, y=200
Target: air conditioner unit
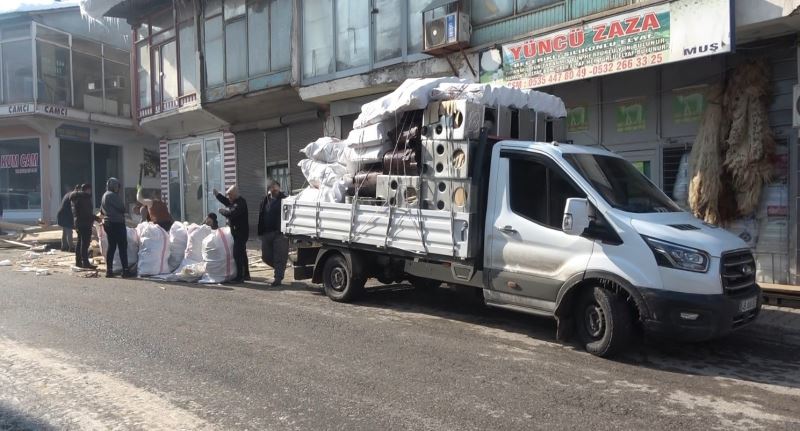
x=796, y=106
x=446, y=33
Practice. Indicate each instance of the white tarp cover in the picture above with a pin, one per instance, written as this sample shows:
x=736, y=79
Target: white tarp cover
x=133, y=248
x=153, y=250
x=218, y=257
x=415, y=94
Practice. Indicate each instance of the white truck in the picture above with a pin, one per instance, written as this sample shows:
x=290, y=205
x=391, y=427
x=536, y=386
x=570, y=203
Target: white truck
x=575, y=233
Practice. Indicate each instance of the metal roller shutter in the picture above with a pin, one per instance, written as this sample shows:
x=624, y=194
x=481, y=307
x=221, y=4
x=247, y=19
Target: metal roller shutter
x=251, y=174
x=300, y=135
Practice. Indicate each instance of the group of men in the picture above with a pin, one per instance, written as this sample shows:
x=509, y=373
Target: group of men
x=77, y=212
x=274, y=245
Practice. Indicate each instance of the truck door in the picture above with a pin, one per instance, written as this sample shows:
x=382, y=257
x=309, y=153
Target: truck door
x=529, y=254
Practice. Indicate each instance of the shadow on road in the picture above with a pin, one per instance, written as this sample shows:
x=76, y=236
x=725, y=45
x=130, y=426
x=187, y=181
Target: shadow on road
x=740, y=356
x=13, y=419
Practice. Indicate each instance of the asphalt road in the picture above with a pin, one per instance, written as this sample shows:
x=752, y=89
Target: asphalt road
x=131, y=354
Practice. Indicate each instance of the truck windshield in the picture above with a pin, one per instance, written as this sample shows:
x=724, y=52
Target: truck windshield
x=621, y=185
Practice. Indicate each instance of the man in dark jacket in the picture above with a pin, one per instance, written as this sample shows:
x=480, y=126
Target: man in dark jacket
x=113, y=209
x=274, y=245
x=83, y=219
x=236, y=212
x=66, y=221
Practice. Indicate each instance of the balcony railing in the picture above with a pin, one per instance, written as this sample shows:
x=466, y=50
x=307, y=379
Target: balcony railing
x=168, y=105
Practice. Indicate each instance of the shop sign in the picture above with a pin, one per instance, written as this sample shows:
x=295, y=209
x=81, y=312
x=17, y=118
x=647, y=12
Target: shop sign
x=60, y=111
x=24, y=163
x=73, y=132
x=16, y=109
x=662, y=33
x=688, y=105
x=631, y=116
x=578, y=119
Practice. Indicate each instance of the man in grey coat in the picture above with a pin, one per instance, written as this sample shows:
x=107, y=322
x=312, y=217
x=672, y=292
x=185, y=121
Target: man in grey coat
x=113, y=209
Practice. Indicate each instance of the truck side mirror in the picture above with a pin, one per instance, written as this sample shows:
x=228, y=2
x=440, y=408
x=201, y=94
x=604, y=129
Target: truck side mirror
x=576, y=216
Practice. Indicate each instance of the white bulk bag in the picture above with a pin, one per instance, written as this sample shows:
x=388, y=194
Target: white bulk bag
x=325, y=149
x=194, y=245
x=178, y=238
x=153, y=250
x=318, y=173
x=133, y=248
x=370, y=136
x=218, y=257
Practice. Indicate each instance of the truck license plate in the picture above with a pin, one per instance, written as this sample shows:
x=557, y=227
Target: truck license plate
x=748, y=304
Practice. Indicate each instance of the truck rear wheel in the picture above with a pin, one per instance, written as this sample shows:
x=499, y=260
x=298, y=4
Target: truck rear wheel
x=603, y=322
x=339, y=281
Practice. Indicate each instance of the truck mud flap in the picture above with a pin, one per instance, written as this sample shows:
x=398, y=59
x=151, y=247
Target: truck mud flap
x=304, y=272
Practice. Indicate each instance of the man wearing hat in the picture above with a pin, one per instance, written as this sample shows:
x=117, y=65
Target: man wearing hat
x=236, y=212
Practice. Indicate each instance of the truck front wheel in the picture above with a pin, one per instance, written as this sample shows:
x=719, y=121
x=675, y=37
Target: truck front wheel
x=339, y=281
x=603, y=321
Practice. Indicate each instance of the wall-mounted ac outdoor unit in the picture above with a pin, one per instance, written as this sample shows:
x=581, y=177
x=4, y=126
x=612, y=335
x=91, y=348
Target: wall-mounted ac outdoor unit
x=446, y=28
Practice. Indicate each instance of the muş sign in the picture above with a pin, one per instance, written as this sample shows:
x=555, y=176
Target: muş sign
x=659, y=34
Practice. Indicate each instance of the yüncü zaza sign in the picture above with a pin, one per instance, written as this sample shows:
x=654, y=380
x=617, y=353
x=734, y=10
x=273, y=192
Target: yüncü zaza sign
x=663, y=33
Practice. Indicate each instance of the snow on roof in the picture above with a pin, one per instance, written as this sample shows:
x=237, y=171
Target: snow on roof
x=9, y=6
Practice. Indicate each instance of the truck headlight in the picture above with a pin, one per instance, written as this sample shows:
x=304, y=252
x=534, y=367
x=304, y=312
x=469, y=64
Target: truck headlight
x=677, y=256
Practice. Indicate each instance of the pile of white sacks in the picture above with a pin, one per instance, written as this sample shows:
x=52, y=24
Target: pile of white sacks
x=188, y=252
x=331, y=163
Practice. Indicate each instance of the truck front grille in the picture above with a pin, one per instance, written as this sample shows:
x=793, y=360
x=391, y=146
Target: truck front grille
x=738, y=270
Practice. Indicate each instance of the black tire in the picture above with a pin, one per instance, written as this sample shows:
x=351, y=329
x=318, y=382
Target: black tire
x=420, y=283
x=338, y=280
x=603, y=322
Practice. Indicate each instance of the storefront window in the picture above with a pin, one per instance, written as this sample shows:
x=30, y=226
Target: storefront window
x=235, y=54
x=88, y=81
x=76, y=163
x=17, y=71
x=188, y=58
x=258, y=37
x=526, y=5
x=484, y=11
x=107, y=164
x=317, y=38
x=118, y=95
x=415, y=8
x=213, y=148
x=280, y=34
x=352, y=34
x=174, y=188
x=20, y=183
x=388, y=38
x=169, y=71
x=143, y=74
x=54, y=74
x=214, y=54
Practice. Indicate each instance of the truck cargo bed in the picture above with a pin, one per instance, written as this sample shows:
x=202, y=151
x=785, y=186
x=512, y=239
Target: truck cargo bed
x=413, y=230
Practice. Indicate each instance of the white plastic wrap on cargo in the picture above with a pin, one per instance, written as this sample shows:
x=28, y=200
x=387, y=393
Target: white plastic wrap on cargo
x=412, y=230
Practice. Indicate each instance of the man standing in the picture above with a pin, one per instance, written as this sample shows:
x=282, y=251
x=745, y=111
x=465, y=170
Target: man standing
x=66, y=221
x=113, y=208
x=83, y=219
x=274, y=245
x=236, y=212
x=157, y=210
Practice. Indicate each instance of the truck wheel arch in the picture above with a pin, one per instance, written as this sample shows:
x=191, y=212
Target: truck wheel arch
x=353, y=259
x=570, y=289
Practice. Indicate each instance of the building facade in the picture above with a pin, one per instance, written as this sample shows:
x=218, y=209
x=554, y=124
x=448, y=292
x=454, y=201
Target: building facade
x=267, y=77
x=65, y=115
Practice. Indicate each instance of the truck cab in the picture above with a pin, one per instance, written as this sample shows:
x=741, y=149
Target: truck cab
x=579, y=234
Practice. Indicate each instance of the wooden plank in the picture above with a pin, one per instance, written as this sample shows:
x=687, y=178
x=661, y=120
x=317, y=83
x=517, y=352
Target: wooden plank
x=780, y=288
